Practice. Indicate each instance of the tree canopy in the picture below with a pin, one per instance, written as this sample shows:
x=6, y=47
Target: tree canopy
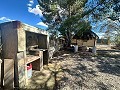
x=65, y=16
x=70, y=16
x=104, y=9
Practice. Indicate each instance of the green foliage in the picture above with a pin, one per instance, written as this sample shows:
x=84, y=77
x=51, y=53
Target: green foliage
x=112, y=31
x=116, y=37
x=78, y=28
x=104, y=9
x=73, y=11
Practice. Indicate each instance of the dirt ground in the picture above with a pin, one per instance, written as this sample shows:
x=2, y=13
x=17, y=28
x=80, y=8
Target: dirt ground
x=80, y=71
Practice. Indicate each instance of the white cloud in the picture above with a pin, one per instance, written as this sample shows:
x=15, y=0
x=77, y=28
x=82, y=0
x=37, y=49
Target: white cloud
x=29, y=9
x=5, y=19
x=35, y=10
x=29, y=5
x=42, y=24
x=31, y=1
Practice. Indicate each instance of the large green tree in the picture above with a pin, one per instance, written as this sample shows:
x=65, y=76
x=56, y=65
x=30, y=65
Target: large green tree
x=65, y=16
x=106, y=13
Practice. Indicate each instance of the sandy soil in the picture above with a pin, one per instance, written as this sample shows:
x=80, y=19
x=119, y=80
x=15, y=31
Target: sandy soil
x=81, y=71
x=84, y=71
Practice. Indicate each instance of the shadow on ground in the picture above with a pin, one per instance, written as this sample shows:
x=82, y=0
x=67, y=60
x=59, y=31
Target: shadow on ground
x=109, y=53
x=46, y=79
x=75, y=70
x=108, y=62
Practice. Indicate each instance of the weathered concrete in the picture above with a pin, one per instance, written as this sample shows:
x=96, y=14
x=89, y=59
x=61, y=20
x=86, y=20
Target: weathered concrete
x=17, y=37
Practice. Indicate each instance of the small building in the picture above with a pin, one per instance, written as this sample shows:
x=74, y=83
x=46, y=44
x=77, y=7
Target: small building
x=22, y=44
x=87, y=38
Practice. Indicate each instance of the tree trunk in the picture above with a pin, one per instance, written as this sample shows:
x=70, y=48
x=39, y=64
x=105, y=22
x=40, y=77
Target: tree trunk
x=69, y=42
x=69, y=30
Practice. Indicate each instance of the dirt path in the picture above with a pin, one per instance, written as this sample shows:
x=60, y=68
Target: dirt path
x=85, y=72
x=80, y=71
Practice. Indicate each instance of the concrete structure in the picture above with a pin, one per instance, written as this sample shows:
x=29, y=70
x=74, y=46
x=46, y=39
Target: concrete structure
x=21, y=44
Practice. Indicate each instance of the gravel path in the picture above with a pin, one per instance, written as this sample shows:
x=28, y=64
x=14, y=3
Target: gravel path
x=82, y=71
x=79, y=71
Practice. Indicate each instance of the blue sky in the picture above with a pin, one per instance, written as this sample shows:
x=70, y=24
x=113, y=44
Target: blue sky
x=26, y=11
